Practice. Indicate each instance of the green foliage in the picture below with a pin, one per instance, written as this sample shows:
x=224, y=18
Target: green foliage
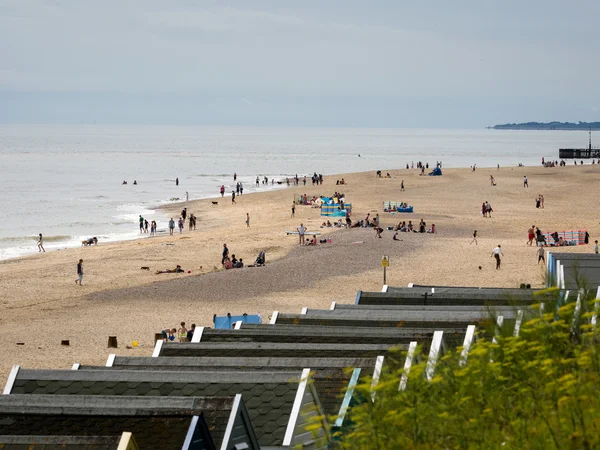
x=535, y=391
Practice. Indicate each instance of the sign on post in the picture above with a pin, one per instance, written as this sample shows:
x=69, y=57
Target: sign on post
x=385, y=262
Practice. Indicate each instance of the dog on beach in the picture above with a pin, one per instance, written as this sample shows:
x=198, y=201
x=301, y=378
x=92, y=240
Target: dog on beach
x=90, y=241
x=215, y=203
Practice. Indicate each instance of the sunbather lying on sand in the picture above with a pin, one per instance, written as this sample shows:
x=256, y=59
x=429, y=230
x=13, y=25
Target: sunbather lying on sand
x=177, y=269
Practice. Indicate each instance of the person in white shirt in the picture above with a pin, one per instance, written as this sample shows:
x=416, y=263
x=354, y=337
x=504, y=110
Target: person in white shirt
x=301, y=230
x=496, y=253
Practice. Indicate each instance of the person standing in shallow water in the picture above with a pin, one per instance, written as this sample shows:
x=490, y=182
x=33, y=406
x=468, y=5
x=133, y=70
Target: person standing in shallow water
x=41, y=244
x=176, y=181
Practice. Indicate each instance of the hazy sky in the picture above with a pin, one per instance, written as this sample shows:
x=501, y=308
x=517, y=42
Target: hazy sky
x=302, y=63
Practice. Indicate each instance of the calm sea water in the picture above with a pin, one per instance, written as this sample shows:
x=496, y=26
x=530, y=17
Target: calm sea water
x=65, y=181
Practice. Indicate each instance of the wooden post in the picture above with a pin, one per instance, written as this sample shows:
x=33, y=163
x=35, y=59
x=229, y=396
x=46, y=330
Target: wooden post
x=112, y=342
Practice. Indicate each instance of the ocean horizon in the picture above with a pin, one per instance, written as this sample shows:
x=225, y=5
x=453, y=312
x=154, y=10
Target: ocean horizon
x=65, y=181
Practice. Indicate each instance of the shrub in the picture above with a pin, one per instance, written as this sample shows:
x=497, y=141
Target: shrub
x=535, y=391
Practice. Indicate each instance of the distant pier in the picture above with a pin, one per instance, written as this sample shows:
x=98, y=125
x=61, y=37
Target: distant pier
x=580, y=153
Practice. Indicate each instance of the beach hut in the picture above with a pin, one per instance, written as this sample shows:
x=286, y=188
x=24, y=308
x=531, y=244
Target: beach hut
x=78, y=421
x=573, y=270
x=280, y=403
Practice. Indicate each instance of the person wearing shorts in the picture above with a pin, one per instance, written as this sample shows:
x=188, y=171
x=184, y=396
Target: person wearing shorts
x=540, y=253
x=301, y=230
x=530, y=235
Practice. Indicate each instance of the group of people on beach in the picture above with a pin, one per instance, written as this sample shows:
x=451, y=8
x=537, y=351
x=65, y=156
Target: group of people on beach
x=181, y=333
x=144, y=226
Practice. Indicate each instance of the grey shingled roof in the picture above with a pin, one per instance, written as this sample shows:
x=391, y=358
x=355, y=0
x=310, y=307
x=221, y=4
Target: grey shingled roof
x=308, y=335
x=580, y=269
x=267, y=349
x=157, y=423
x=497, y=291
x=268, y=396
x=411, y=319
x=448, y=296
x=205, y=364
x=13, y=442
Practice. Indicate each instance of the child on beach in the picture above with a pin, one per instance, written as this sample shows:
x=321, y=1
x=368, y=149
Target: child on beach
x=182, y=333
x=168, y=334
x=293, y=209
x=247, y=220
x=41, y=244
x=596, y=247
x=180, y=224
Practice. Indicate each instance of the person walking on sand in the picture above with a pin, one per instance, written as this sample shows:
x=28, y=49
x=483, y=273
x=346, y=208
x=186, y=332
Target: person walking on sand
x=41, y=244
x=171, y=226
x=301, y=230
x=247, y=220
x=232, y=197
x=496, y=253
x=225, y=254
x=402, y=186
x=474, y=238
x=222, y=190
x=540, y=253
x=525, y=182
x=180, y=225
x=530, y=235
x=293, y=210
x=79, y=273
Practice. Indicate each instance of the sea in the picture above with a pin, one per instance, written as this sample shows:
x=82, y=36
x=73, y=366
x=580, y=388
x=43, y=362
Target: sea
x=66, y=181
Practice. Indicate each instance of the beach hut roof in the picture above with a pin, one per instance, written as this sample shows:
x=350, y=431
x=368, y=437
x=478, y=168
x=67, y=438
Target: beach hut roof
x=276, y=401
x=157, y=422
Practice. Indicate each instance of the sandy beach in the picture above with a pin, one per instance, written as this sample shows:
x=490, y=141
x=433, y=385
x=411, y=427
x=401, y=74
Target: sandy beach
x=40, y=304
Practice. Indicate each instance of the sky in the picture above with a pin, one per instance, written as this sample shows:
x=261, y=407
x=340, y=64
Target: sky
x=432, y=64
